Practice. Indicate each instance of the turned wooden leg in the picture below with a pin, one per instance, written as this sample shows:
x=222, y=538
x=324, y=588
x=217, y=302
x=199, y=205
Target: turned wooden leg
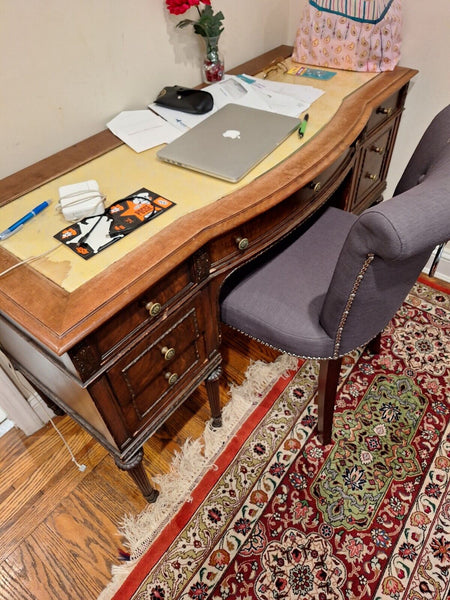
x=135, y=469
x=374, y=346
x=437, y=258
x=328, y=382
x=213, y=392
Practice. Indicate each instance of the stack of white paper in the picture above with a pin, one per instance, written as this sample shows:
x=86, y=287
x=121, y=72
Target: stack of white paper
x=143, y=129
x=283, y=98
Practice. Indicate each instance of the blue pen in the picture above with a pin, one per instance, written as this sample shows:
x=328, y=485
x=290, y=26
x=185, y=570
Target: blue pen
x=18, y=224
x=180, y=122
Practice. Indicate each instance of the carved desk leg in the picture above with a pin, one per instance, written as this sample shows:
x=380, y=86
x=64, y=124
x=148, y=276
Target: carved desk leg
x=136, y=470
x=212, y=389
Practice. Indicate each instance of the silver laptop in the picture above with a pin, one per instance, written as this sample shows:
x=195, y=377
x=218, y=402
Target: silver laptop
x=230, y=142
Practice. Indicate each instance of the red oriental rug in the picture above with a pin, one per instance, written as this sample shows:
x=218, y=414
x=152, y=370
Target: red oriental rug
x=366, y=517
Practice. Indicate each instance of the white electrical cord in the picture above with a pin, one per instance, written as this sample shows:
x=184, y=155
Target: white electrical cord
x=81, y=467
x=79, y=205
x=28, y=260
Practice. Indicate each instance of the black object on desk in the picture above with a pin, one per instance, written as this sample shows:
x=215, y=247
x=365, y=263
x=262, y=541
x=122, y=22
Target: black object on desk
x=176, y=97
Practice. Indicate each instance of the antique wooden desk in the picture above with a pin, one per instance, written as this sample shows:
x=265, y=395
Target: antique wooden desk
x=120, y=341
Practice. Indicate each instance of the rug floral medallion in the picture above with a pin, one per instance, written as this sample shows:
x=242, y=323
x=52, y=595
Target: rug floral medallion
x=367, y=517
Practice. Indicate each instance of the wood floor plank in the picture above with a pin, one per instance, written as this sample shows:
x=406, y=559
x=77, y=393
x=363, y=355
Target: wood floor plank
x=59, y=528
x=35, y=455
x=30, y=503
x=112, y=491
x=44, y=569
x=42, y=438
x=87, y=532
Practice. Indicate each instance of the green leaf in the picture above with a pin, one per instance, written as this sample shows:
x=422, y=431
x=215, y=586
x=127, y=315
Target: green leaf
x=208, y=24
x=185, y=23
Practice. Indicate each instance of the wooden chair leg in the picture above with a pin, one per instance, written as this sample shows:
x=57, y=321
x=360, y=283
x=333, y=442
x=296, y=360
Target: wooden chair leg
x=437, y=258
x=328, y=382
x=374, y=346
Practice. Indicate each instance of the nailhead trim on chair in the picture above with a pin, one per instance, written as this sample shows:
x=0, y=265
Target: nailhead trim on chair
x=340, y=329
x=305, y=356
x=349, y=303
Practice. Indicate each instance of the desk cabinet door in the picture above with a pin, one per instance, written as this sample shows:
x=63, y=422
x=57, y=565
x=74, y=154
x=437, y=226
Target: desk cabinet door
x=371, y=169
x=374, y=157
x=391, y=107
x=147, y=379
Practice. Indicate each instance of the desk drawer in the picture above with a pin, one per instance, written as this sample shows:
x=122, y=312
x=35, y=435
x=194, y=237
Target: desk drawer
x=325, y=183
x=260, y=232
x=118, y=331
x=147, y=377
x=239, y=241
x=374, y=159
x=384, y=111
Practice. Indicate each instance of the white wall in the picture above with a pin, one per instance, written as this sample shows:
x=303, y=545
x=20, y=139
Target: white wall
x=425, y=47
x=67, y=67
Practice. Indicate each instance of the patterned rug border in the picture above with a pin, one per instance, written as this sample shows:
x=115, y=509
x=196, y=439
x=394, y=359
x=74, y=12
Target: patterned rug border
x=211, y=477
x=248, y=403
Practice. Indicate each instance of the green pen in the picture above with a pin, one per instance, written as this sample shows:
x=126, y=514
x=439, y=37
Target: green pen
x=303, y=124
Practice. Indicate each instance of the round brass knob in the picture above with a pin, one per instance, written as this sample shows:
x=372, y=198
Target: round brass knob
x=171, y=378
x=316, y=187
x=378, y=149
x=385, y=111
x=154, y=308
x=242, y=243
x=372, y=176
x=168, y=353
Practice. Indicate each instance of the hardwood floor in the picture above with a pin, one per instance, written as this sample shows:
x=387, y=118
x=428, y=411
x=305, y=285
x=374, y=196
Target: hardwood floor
x=58, y=525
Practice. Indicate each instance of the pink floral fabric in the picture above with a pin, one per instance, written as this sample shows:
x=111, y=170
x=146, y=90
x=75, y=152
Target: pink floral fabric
x=330, y=39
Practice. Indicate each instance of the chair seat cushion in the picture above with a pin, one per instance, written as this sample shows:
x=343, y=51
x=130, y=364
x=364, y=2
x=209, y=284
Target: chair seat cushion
x=280, y=301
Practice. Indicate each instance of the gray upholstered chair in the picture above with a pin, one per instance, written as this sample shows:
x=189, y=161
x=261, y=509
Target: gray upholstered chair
x=337, y=285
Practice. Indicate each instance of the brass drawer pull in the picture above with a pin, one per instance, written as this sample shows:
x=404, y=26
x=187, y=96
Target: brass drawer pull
x=242, y=243
x=316, y=187
x=168, y=353
x=378, y=149
x=154, y=308
x=372, y=176
x=385, y=111
x=172, y=378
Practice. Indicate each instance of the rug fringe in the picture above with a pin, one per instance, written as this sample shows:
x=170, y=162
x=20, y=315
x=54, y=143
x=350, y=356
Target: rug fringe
x=190, y=464
x=259, y=377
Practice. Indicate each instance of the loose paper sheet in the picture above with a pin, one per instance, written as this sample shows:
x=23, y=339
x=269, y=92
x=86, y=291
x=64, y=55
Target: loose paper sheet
x=142, y=129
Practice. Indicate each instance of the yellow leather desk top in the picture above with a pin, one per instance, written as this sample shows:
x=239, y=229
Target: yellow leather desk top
x=122, y=171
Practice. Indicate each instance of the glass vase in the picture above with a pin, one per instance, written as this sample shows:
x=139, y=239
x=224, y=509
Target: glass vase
x=213, y=65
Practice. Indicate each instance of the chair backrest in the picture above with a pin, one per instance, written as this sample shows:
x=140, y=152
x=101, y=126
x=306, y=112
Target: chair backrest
x=389, y=244
x=428, y=150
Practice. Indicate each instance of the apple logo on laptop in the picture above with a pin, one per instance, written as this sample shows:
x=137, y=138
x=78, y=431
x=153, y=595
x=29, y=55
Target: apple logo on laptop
x=233, y=134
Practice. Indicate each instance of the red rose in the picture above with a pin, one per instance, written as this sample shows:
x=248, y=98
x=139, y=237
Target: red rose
x=178, y=7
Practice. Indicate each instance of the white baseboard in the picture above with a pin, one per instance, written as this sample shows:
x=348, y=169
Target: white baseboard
x=443, y=268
